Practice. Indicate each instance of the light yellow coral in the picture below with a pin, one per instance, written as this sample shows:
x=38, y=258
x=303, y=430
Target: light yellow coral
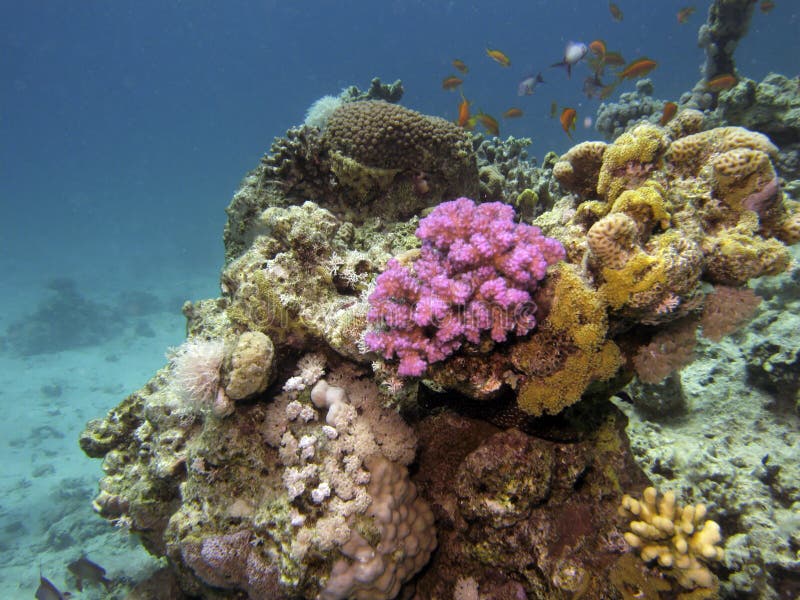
x=680, y=538
x=689, y=154
x=740, y=173
x=612, y=240
x=250, y=365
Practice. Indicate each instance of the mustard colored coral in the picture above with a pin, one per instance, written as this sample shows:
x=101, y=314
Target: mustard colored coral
x=679, y=538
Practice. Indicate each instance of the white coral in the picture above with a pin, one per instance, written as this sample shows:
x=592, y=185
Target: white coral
x=196, y=366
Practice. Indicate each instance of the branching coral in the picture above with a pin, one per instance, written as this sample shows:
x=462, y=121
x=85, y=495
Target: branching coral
x=680, y=538
x=475, y=274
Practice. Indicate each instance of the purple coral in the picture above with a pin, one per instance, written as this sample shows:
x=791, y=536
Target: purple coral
x=475, y=273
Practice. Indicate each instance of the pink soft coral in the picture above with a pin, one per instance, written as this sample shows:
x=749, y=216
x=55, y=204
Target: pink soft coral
x=475, y=274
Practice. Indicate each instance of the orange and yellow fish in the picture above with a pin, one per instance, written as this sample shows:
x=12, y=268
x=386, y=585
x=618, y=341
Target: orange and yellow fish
x=638, y=68
x=451, y=83
x=670, y=108
x=766, y=6
x=499, y=57
x=598, y=47
x=460, y=65
x=568, y=118
x=463, y=113
x=489, y=123
x=616, y=12
x=512, y=113
x=684, y=14
x=721, y=82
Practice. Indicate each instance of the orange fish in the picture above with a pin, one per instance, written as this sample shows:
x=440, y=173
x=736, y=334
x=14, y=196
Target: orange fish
x=460, y=66
x=489, y=123
x=766, y=6
x=598, y=47
x=684, y=14
x=616, y=12
x=568, y=118
x=614, y=59
x=721, y=82
x=451, y=83
x=670, y=108
x=607, y=91
x=498, y=57
x=638, y=68
x=463, y=112
x=512, y=113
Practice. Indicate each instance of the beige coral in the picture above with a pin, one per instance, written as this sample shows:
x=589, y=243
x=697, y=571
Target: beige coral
x=680, y=538
x=250, y=365
x=578, y=169
x=689, y=154
x=612, y=239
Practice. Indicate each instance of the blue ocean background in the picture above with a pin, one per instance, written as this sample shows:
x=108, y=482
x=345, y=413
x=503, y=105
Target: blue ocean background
x=126, y=126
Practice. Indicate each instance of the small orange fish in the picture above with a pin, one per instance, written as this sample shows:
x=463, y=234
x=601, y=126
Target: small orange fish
x=451, y=83
x=766, y=6
x=568, y=118
x=684, y=14
x=670, y=108
x=463, y=112
x=598, y=47
x=460, y=66
x=616, y=12
x=721, y=82
x=512, y=113
x=614, y=59
x=498, y=57
x=638, y=68
x=489, y=123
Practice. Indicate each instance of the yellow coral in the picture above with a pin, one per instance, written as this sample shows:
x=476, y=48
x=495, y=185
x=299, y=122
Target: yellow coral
x=686, y=122
x=678, y=537
x=552, y=394
x=639, y=148
x=577, y=312
x=739, y=173
x=360, y=179
x=647, y=205
x=641, y=273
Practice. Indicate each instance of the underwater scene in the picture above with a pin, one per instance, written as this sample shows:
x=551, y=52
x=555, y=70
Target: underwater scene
x=412, y=299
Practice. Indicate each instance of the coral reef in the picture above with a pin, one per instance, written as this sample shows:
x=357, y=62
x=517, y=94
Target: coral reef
x=614, y=118
x=365, y=314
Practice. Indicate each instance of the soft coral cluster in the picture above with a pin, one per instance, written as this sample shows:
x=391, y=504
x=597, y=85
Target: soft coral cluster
x=475, y=273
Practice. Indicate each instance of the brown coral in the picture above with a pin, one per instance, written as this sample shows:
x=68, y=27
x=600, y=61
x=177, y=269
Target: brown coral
x=578, y=169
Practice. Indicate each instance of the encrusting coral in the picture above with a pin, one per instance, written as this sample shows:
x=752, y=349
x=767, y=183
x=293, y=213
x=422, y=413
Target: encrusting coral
x=679, y=538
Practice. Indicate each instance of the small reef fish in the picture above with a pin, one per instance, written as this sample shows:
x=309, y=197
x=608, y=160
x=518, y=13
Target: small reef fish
x=573, y=53
x=463, y=112
x=451, y=83
x=528, y=85
x=721, y=82
x=598, y=47
x=460, y=66
x=512, y=113
x=593, y=86
x=670, y=108
x=684, y=14
x=613, y=59
x=568, y=118
x=47, y=591
x=553, y=109
x=499, y=57
x=766, y=6
x=638, y=68
x=85, y=570
x=616, y=12
x=489, y=123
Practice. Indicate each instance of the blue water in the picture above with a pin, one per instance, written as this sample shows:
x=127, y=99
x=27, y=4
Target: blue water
x=125, y=127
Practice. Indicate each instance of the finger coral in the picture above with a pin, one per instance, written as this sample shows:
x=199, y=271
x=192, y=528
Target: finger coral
x=475, y=274
x=680, y=538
